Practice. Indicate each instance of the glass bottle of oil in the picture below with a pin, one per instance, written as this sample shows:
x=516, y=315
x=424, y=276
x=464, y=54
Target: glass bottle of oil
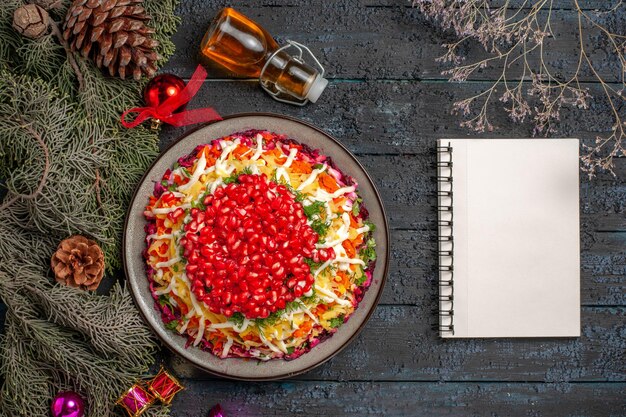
x=245, y=48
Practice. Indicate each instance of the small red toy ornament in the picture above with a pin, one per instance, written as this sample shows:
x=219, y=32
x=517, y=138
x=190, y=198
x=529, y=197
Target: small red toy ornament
x=136, y=400
x=162, y=87
x=159, y=89
x=166, y=97
x=164, y=386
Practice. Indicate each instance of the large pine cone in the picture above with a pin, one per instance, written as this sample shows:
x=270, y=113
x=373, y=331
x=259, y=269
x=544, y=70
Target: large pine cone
x=114, y=35
x=78, y=262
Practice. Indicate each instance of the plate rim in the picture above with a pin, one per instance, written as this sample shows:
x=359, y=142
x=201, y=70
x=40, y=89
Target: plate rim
x=165, y=342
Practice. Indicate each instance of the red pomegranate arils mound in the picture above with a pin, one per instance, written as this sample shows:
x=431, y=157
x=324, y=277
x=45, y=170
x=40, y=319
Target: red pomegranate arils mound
x=245, y=251
x=244, y=266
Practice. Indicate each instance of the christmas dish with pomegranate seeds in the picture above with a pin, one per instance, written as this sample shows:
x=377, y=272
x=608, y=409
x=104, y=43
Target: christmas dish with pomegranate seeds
x=257, y=246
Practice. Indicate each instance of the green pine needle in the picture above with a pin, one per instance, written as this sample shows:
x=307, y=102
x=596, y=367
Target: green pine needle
x=67, y=167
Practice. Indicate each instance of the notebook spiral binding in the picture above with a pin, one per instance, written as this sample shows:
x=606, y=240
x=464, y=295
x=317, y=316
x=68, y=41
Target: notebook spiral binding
x=445, y=244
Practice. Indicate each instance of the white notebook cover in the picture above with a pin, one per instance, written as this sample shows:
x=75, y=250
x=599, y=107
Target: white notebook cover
x=516, y=244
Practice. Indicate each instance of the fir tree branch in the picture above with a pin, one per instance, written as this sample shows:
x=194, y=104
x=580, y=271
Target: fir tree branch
x=44, y=174
x=70, y=55
x=57, y=338
x=96, y=187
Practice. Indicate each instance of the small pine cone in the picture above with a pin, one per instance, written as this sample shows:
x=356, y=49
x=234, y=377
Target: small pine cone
x=79, y=263
x=113, y=33
x=31, y=21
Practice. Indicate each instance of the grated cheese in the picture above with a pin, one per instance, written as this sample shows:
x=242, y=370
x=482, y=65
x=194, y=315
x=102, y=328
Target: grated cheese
x=259, y=148
x=311, y=178
x=165, y=210
x=200, y=166
x=168, y=263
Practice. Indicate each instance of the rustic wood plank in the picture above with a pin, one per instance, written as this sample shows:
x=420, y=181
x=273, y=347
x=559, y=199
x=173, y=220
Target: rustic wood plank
x=324, y=399
x=398, y=344
x=354, y=41
x=381, y=117
x=601, y=5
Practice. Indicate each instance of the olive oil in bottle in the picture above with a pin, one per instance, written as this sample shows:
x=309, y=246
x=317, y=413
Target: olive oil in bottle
x=245, y=48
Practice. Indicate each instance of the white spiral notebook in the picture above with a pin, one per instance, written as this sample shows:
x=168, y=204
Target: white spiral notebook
x=509, y=245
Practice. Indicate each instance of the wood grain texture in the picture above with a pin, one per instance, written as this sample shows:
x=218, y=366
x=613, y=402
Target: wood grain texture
x=391, y=117
x=601, y=5
x=324, y=399
x=594, y=5
x=357, y=42
x=388, y=103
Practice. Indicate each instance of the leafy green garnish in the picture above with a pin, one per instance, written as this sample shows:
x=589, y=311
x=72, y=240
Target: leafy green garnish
x=270, y=320
x=291, y=306
x=168, y=186
x=298, y=196
x=231, y=178
x=186, y=172
x=336, y=321
x=198, y=204
x=290, y=350
x=368, y=253
x=172, y=325
x=320, y=227
x=237, y=318
x=312, y=264
x=312, y=299
x=369, y=224
x=312, y=209
x=361, y=280
x=164, y=301
x=318, y=166
x=234, y=177
x=356, y=206
x=273, y=318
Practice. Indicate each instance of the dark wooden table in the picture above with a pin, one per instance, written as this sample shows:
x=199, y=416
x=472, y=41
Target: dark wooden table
x=388, y=103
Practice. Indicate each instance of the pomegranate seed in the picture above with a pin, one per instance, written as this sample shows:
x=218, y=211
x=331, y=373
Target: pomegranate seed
x=226, y=298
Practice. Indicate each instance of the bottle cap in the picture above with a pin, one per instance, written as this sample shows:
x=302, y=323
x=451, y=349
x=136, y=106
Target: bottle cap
x=317, y=87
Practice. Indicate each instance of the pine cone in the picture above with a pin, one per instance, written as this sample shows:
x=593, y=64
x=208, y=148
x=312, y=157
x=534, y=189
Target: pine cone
x=78, y=262
x=114, y=35
x=31, y=21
